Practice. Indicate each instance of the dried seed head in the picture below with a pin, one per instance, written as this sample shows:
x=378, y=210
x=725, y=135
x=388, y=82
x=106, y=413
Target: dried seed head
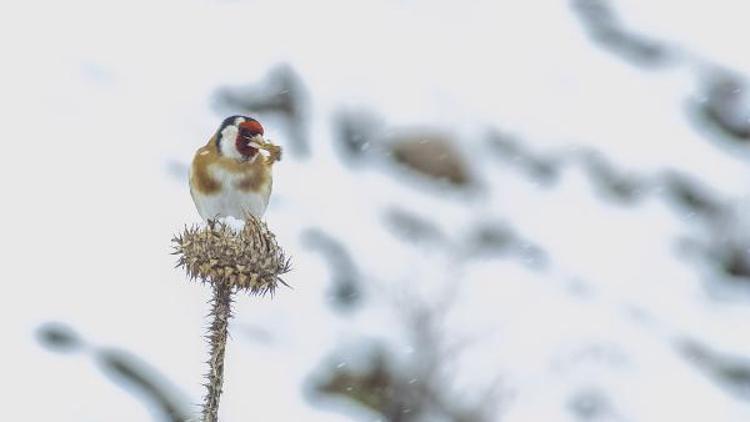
x=248, y=259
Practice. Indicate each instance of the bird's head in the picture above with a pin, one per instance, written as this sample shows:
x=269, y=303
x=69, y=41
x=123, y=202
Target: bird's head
x=240, y=137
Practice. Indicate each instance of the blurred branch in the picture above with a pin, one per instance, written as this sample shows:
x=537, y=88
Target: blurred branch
x=345, y=277
x=731, y=372
x=604, y=27
x=614, y=183
x=543, y=168
x=412, y=227
x=355, y=133
x=125, y=369
x=726, y=106
x=377, y=387
x=494, y=238
x=592, y=404
x=726, y=250
x=690, y=196
x=59, y=337
x=625, y=187
x=417, y=388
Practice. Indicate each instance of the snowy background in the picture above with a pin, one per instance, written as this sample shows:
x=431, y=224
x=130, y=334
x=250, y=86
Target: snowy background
x=516, y=211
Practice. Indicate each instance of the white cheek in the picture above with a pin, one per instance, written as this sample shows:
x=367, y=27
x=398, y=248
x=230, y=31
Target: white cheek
x=227, y=142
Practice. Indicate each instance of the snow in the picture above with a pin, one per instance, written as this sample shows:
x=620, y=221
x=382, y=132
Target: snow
x=116, y=90
x=233, y=223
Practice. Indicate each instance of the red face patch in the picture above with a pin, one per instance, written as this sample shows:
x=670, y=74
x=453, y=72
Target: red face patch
x=247, y=130
x=250, y=128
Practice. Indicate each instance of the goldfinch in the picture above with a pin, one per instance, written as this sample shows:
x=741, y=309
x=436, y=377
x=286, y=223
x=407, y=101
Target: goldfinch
x=231, y=175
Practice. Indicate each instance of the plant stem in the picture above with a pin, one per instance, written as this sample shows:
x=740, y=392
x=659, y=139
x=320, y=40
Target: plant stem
x=221, y=311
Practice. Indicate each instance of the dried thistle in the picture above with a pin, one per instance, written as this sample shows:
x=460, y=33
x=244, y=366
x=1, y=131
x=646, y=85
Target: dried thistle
x=247, y=260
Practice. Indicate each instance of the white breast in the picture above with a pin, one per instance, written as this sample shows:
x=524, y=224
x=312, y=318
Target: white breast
x=230, y=201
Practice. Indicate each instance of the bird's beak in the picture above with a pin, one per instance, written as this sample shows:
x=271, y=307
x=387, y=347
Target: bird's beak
x=258, y=143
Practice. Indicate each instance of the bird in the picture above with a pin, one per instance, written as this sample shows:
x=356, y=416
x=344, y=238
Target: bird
x=231, y=175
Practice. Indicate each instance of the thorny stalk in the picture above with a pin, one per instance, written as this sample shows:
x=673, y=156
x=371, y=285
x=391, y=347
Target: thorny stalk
x=221, y=312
